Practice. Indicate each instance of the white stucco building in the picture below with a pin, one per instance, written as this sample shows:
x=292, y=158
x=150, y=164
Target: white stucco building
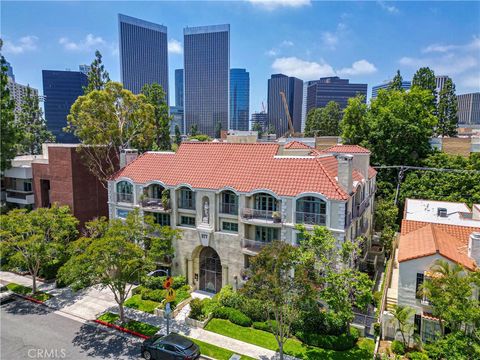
x=430, y=230
x=229, y=200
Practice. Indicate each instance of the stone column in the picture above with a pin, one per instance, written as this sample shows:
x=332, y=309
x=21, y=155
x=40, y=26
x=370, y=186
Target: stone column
x=224, y=275
x=190, y=271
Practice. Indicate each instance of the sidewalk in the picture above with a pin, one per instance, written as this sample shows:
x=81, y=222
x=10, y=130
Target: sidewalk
x=8, y=277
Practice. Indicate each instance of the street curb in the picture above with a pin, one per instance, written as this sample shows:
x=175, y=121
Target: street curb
x=31, y=299
x=113, y=326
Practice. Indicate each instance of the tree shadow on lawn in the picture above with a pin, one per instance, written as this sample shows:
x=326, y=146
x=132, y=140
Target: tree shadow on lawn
x=21, y=306
x=97, y=342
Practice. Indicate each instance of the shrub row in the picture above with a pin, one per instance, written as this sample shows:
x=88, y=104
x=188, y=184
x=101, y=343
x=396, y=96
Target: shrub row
x=156, y=282
x=331, y=342
x=233, y=315
x=265, y=325
x=253, y=308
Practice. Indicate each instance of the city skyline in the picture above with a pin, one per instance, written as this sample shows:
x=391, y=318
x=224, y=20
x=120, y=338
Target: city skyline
x=36, y=38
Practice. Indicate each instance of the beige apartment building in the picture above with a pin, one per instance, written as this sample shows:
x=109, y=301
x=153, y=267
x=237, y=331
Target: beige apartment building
x=229, y=200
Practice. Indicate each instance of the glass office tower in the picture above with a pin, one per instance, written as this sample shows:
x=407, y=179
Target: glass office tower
x=179, y=88
x=239, y=99
x=293, y=90
x=206, y=77
x=143, y=53
x=61, y=89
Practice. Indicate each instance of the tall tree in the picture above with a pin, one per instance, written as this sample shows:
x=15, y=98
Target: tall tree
x=355, y=125
x=9, y=133
x=178, y=135
x=193, y=130
x=396, y=83
x=98, y=77
x=33, y=125
x=447, y=110
x=126, y=121
x=258, y=128
x=156, y=97
x=424, y=79
x=402, y=316
x=218, y=130
x=36, y=237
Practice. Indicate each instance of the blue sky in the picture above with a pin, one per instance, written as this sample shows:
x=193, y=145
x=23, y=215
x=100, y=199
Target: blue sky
x=362, y=41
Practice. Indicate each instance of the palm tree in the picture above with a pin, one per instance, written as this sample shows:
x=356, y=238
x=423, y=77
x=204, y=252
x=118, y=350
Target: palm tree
x=402, y=314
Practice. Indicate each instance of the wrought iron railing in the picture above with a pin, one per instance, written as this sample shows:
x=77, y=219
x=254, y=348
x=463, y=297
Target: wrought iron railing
x=265, y=215
x=188, y=204
x=154, y=203
x=124, y=197
x=254, y=245
x=229, y=208
x=310, y=218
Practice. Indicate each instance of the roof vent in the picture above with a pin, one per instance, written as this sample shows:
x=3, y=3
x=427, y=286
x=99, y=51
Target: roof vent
x=442, y=212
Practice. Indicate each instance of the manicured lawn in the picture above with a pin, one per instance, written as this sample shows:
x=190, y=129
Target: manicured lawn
x=363, y=350
x=136, y=302
x=137, y=326
x=25, y=290
x=215, y=351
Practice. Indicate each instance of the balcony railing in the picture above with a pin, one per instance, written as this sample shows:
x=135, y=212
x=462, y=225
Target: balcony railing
x=254, y=245
x=18, y=195
x=229, y=208
x=262, y=215
x=154, y=203
x=310, y=218
x=124, y=197
x=186, y=204
x=359, y=209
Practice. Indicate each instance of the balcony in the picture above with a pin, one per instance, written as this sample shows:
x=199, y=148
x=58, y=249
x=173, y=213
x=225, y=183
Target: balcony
x=360, y=208
x=253, y=247
x=261, y=216
x=186, y=204
x=229, y=208
x=310, y=218
x=19, y=197
x=124, y=198
x=155, y=204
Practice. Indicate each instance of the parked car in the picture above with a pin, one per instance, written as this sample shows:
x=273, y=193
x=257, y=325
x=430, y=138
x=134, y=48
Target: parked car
x=170, y=347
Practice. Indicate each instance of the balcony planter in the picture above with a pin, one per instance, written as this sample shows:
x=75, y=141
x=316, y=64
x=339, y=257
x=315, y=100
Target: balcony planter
x=276, y=217
x=198, y=323
x=166, y=199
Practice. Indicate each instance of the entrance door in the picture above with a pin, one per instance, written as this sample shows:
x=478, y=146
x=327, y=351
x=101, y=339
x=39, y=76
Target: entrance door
x=210, y=271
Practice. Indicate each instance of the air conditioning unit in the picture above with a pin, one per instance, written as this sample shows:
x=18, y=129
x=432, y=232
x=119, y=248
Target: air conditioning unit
x=442, y=212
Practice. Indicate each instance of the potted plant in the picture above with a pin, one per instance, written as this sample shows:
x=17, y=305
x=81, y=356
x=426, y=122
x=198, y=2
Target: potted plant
x=276, y=217
x=166, y=199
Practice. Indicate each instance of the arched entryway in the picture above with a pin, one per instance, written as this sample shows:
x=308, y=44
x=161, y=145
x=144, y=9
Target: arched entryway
x=210, y=270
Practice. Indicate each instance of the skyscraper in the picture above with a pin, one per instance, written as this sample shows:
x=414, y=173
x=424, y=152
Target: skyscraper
x=406, y=85
x=239, y=99
x=469, y=109
x=306, y=84
x=293, y=90
x=179, y=88
x=143, y=54
x=206, y=77
x=17, y=93
x=84, y=69
x=61, y=89
x=440, y=83
x=327, y=89
x=261, y=118
x=9, y=70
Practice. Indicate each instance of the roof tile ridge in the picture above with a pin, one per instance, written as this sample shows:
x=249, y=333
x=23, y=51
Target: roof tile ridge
x=335, y=184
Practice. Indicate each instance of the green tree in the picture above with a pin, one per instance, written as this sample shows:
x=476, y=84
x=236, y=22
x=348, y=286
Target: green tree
x=271, y=129
x=454, y=346
x=157, y=98
x=386, y=213
x=193, y=130
x=402, y=316
x=126, y=121
x=218, y=130
x=178, y=136
x=355, y=124
x=33, y=125
x=9, y=132
x=258, y=128
x=273, y=282
x=98, y=77
x=447, y=110
x=396, y=83
x=324, y=121
x=424, y=79
x=34, y=238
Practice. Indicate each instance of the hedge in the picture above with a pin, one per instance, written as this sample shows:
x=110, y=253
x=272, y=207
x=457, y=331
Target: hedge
x=332, y=342
x=233, y=315
x=265, y=325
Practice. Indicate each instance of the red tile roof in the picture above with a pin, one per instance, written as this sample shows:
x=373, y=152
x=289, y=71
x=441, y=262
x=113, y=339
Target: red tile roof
x=297, y=145
x=348, y=149
x=419, y=239
x=243, y=167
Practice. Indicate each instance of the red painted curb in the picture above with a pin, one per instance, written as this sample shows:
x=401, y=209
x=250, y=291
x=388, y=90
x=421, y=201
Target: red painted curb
x=122, y=329
x=34, y=300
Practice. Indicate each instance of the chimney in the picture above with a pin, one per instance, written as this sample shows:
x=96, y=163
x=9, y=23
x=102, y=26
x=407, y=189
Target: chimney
x=474, y=247
x=345, y=168
x=127, y=156
x=476, y=212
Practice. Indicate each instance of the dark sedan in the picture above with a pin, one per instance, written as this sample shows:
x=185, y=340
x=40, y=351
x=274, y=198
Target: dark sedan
x=170, y=347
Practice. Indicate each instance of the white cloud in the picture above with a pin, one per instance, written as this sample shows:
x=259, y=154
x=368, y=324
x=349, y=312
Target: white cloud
x=24, y=44
x=293, y=66
x=275, y=4
x=175, y=47
x=287, y=43
x=471, y=46
x=388, y=7
x=472, y=81
x=89, y=43
x=448, y=64
x=360, y=67
x=271, y=52
x=329, y=39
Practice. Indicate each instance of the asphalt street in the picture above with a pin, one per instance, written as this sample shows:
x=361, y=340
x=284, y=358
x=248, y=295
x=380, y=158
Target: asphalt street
x=31, y=331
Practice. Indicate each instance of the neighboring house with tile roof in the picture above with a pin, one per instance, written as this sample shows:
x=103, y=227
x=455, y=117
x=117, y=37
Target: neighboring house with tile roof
x=231, y=199
x=431, y=230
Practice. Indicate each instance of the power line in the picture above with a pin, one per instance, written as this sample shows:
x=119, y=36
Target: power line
x=407, y=167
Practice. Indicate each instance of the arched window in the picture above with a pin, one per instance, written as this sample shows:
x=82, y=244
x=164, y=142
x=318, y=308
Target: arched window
x=311, y=211
x=265, y=202
x=124, y=192
x=186, y=198
x=228, y=203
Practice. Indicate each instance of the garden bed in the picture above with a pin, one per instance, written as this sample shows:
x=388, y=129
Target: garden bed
x=133, y=327
x=26, y=292
x=198, y=323
x=160, y=311
x=293, y=347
